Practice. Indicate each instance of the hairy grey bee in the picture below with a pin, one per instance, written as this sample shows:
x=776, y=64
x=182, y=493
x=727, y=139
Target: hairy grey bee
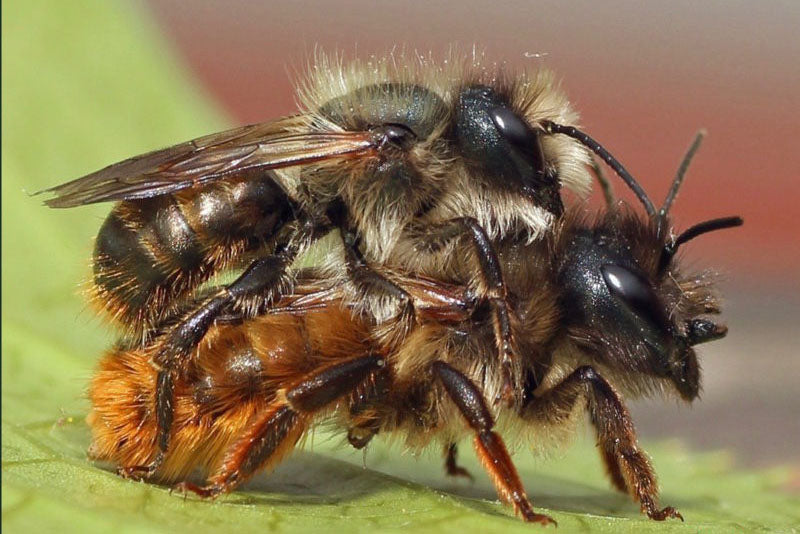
x=381, y=149
x=401, y=155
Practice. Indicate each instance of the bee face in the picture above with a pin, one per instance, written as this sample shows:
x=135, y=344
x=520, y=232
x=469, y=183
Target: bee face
x=642, y=315
x=635, y=311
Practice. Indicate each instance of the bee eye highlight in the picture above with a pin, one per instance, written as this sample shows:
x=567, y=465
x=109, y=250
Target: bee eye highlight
x=398, y=134
x=636, y=292
x=519, y=134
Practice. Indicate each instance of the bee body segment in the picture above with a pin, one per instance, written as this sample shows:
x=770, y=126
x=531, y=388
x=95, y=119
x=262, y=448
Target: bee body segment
x=150, y=254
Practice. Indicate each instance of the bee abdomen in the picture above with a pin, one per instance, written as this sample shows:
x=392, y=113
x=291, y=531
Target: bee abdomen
x=152, y=253
x=145, y=256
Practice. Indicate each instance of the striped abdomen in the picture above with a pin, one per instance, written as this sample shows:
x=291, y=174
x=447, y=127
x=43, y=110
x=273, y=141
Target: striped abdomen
x=234, y=375
x=151, y=253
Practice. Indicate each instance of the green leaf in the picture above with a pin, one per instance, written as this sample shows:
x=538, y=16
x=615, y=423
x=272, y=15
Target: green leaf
x=86, y=84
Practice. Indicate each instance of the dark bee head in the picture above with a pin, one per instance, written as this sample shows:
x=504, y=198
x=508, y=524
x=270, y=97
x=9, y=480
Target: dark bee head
x=627, y=301
x=498, y=142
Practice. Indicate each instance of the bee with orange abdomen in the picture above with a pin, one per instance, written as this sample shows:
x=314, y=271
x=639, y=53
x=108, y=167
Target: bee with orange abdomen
x=599, y=309
x=400, y=155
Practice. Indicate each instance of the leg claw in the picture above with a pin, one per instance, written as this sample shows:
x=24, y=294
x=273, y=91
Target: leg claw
x=458, y=471
x=666, y=513
x=542, y=519
x=138, y=472
x=206, y=492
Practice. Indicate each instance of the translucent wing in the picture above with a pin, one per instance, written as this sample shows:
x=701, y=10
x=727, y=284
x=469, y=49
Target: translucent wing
x=214, y=157
x=432, y=300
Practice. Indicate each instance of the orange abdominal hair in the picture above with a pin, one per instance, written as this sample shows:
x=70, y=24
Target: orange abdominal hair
x=237, y=378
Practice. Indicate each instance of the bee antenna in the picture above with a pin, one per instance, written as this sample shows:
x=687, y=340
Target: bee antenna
x=679, y=176
x=606, y=156
x=694, y=231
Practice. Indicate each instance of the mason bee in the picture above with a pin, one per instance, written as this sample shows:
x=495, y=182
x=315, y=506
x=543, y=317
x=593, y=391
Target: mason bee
x=599, y=307
x=378, y=150
x=402, y=156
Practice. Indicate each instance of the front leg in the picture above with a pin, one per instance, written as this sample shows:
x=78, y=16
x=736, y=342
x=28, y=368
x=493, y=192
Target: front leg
x=490, y=276
x=627, y=466
x=488, y=444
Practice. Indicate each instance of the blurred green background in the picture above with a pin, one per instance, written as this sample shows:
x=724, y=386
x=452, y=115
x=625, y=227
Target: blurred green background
x=88, y=83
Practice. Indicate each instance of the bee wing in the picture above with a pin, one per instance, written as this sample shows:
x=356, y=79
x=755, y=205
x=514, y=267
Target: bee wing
x=308, y=298
x=214, y=157
x=433, y=301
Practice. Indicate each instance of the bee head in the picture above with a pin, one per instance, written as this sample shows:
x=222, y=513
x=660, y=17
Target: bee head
x=497, y=142
x=626, y=300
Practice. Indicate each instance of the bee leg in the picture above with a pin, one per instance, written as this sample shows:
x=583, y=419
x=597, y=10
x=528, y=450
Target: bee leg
x=373, y=288
x=142, y=472
x=365, y=417
x=274, y=434
x=165, y=386
x=628, y=466
x=263, y=281
x=451, y=466
x=270, y=437
x=491, y=279
x=490, y=447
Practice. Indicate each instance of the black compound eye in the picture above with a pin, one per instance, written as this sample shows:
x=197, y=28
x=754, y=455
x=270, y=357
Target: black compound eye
x=636, y=292
x=519, y=134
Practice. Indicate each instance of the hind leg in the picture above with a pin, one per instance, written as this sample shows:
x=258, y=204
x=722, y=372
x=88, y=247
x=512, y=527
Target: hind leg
x=264, y=279
x=274, y=433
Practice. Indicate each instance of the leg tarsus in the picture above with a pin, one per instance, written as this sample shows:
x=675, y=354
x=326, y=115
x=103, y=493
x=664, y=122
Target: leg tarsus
x=142, y=472
x=211, y=491
x=451, y=466
x=495, y=458
x=542, y=519
x=628, y=468
x=655, y=514
x=489, y=445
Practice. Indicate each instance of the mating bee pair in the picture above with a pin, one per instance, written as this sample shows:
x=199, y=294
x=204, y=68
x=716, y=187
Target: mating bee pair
x=466, y=297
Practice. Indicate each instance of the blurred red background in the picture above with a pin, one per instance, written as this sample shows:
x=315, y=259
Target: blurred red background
x=645, y=76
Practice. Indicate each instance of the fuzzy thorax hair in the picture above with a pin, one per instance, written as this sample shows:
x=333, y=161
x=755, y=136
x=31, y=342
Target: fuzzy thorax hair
x=417, y=90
